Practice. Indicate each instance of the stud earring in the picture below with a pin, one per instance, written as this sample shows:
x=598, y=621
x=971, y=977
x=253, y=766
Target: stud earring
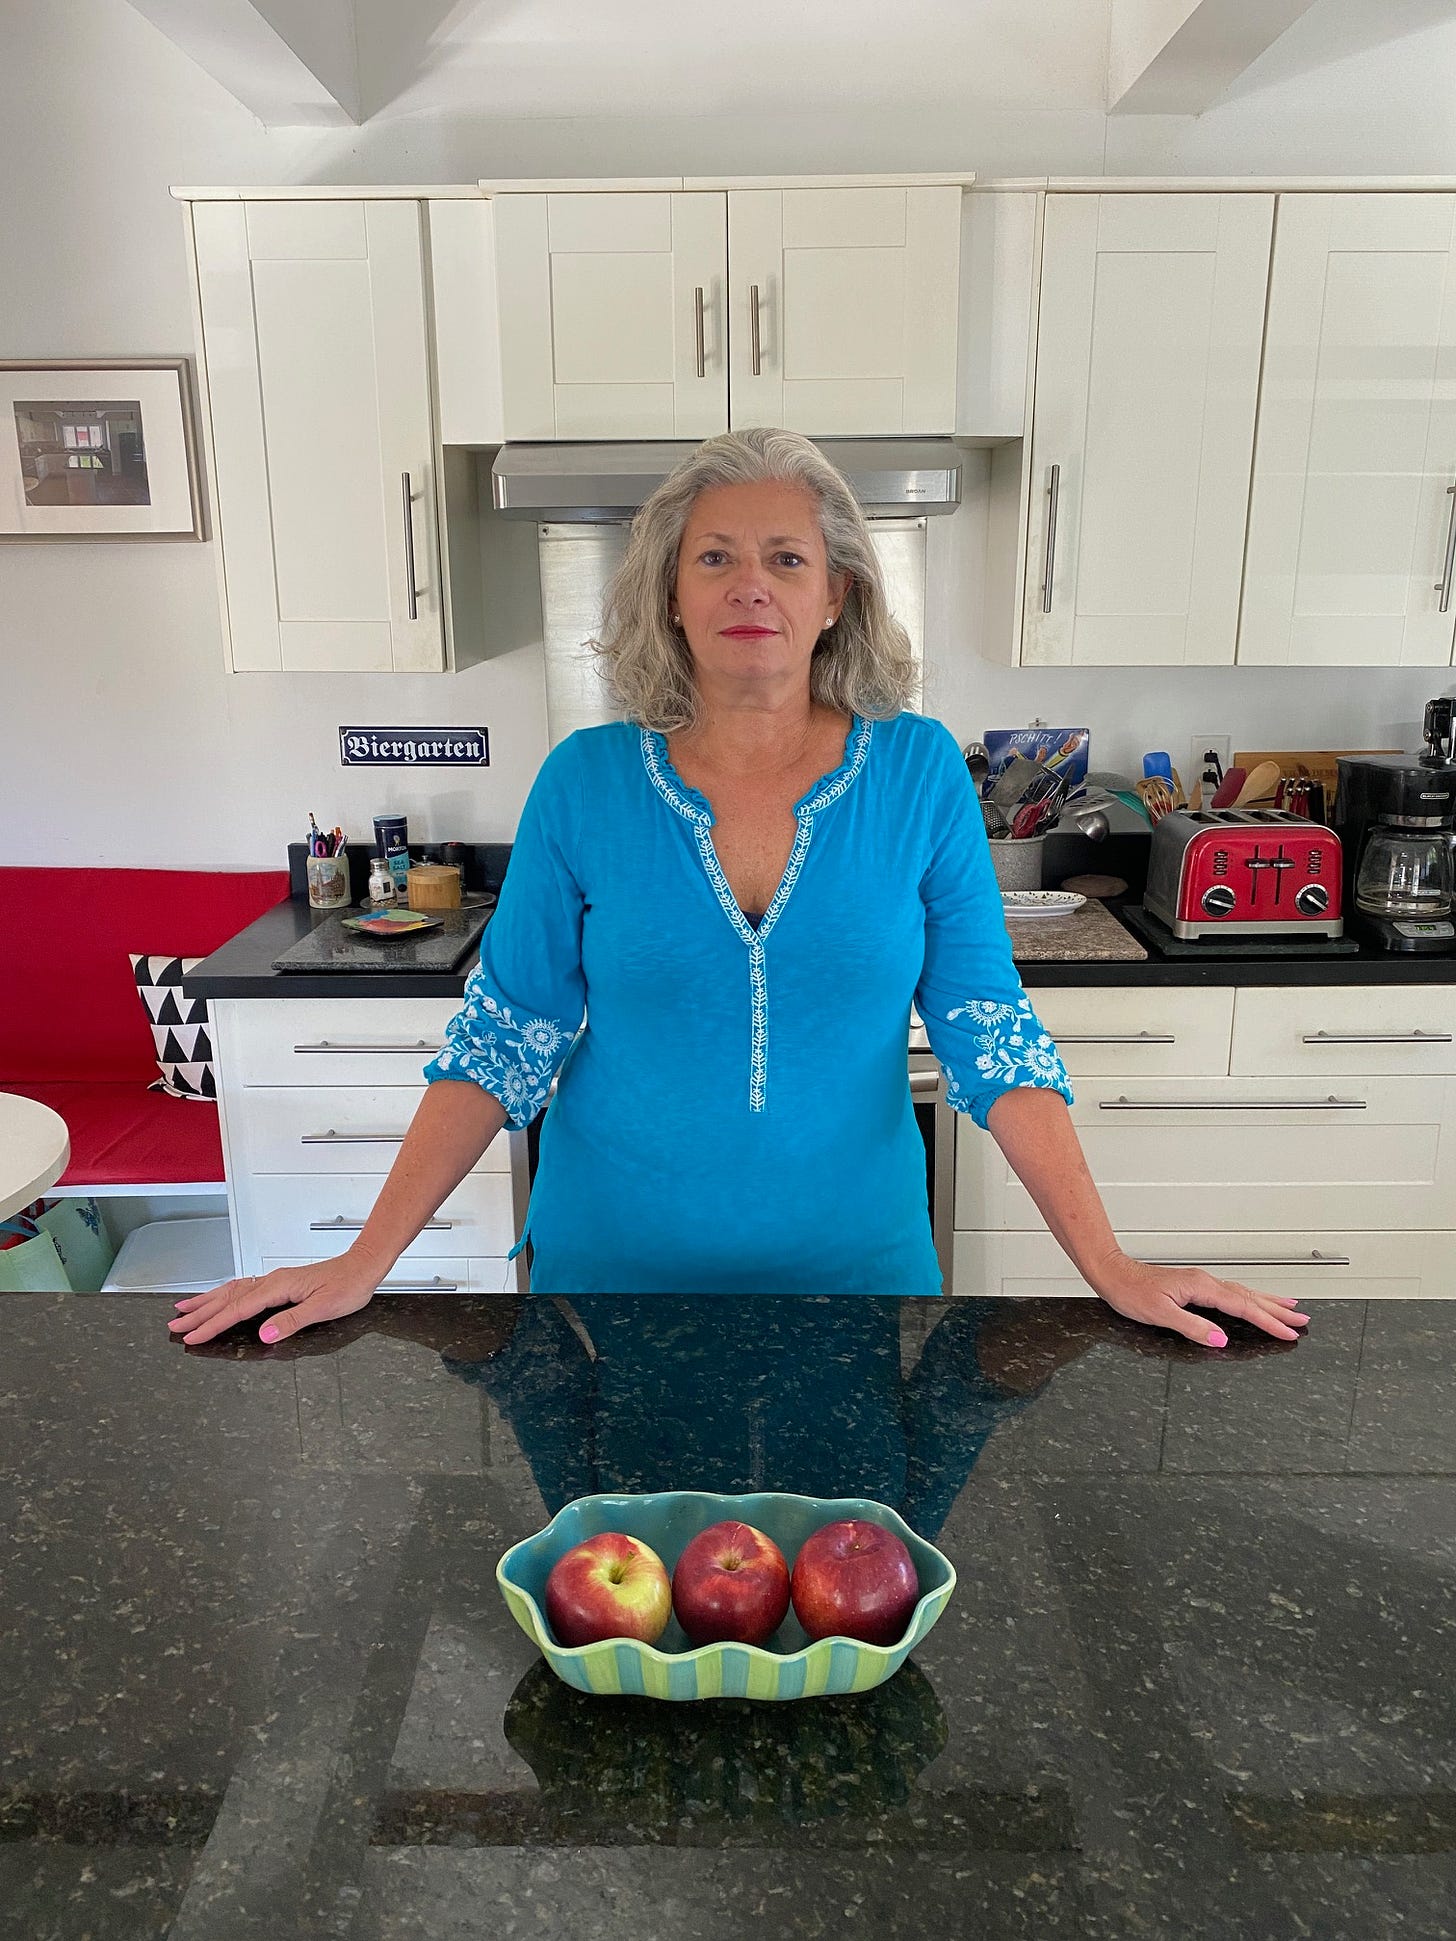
x=677, y=619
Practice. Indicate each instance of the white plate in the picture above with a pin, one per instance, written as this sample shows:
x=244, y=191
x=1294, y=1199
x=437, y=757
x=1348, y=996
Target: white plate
x=1040, y=903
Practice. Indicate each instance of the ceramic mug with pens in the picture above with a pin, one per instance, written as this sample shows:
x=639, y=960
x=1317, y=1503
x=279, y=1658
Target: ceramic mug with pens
x=328, y=868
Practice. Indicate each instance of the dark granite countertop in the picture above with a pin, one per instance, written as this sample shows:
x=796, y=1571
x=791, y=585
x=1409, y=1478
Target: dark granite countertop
x=243, y=968
x=1196, y=1679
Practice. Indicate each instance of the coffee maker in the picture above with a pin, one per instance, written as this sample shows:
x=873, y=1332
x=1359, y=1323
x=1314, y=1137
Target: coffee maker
x=1395, y=815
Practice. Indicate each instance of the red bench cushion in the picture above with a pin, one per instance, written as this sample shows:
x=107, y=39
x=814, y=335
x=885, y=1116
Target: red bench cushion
x=124, y=1135
x=68, y=1001
x=73, y=1032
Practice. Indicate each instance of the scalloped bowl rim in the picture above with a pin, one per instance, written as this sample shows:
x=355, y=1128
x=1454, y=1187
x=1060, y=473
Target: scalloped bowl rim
x=756, y=1651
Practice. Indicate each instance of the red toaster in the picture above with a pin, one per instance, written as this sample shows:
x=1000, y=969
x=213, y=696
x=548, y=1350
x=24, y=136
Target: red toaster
x=1249, y=872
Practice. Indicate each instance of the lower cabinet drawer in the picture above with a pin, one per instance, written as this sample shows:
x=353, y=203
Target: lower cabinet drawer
x=331, y=1041
x=1243, y=1155
x=331, y=1129
x=1388, y=1029
x=1363, y=1266
x=443, y=1276
x=1149, y=1032
x=307, y=1218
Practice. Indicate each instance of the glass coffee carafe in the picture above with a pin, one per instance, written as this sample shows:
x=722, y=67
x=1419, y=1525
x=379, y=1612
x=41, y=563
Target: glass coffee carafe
x=1405, y=872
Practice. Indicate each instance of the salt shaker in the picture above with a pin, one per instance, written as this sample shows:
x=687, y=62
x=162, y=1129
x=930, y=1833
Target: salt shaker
x=381, y=882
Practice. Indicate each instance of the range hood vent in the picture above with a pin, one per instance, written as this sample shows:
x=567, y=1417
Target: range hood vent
x=891, y=477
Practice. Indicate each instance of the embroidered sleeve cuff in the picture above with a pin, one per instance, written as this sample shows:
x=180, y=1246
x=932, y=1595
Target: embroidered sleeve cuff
x=1009, y=1047
x=514, y=1059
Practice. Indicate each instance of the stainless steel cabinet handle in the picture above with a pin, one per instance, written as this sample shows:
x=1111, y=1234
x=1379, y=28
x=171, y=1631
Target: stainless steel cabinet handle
x=698, y=331
x=332, y=1138
x=1231, y=1105
x=422, y=1044
x=1314, y=1259
x=1117, y=1038
x=1376, y=1038
x=435, y=1286
x=340, y=1225
x=1054, y=492
x=409, y=547
x=1443, y=585
x=924, y=1082
x=753, y=330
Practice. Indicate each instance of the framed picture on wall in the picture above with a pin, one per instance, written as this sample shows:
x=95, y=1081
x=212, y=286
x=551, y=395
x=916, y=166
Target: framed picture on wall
x=98, y=448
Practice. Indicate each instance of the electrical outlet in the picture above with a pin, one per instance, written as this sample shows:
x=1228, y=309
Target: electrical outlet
x=1221, y=744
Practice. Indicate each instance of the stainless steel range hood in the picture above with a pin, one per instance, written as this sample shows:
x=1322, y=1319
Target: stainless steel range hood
x=891, y=477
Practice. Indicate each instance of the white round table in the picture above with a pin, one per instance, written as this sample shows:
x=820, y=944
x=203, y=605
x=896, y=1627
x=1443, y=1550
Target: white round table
x=35, y=1149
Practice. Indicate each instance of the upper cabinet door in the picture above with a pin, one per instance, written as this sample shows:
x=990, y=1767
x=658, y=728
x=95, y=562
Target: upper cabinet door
x=844, y=308
x=1350, y=525
x=613, y=315
x=1147, y=375
x=318, y=402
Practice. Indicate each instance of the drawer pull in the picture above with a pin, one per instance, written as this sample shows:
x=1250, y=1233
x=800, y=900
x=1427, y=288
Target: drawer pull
x=435, y=1286
x=1116, y=1038
x=422, y=1044
x=1315, y=1259
x=340, y=1225
x=332, y=1138
x=1376, y=1038
x=1124, y=1104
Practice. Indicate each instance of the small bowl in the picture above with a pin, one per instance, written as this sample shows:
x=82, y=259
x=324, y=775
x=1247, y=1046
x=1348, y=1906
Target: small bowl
x=788, y=1666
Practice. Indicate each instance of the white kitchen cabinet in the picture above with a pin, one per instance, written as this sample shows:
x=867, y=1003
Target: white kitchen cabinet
x=316, y=384
x=1353, y=513
x=1147, y=373
x=1285, y=1137
x=315, y=1097
x=1276, y=1154
x=677, y=313
x=1314, y=1265
x=613, y=315
x=843, y=309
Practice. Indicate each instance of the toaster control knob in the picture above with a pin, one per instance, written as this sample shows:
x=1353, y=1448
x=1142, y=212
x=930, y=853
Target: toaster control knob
x=1313, y=900
x=1219, y=900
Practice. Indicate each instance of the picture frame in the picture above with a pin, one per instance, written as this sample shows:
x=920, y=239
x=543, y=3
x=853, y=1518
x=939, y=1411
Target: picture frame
x=99, y=448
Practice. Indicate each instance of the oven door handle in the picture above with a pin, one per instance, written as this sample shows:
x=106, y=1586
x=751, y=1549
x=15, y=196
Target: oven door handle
x=925, y=1085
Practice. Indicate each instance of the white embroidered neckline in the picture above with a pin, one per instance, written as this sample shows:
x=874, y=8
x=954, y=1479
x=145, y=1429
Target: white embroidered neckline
x=693, y=806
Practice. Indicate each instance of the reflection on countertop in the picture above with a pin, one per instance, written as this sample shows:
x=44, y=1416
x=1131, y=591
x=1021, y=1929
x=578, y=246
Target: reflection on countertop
x=1195, y=1678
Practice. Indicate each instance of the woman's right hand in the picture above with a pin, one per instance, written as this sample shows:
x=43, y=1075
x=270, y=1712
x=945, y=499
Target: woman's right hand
x=322, y=1290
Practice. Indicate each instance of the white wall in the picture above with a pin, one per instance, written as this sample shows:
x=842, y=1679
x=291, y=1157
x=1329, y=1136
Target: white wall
x=122, y=740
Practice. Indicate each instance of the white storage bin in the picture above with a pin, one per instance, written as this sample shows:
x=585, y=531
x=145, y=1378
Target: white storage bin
x=173, y=1257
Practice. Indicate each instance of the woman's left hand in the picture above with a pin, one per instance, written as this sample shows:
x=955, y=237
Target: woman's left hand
x=1161, y=1296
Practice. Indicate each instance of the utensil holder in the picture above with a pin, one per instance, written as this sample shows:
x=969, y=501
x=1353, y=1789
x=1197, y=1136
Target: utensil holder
x=328, y=882
x=1017, y=864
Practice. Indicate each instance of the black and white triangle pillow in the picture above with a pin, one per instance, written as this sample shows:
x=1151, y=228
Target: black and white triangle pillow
x=181, y=1028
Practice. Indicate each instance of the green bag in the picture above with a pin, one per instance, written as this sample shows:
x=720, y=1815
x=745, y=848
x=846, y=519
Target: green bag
x=81, y=1240
x=34, y=1267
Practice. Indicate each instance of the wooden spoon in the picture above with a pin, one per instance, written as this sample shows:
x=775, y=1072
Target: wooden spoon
x=1261, y=780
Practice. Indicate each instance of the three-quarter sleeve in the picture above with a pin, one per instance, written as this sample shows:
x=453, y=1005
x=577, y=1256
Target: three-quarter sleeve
x=983, y=1031
x=525, y=999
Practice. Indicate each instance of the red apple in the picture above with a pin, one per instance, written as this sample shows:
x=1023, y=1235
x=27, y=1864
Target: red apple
x=609, y=1586
x=855, y=1579
x=731, y=1582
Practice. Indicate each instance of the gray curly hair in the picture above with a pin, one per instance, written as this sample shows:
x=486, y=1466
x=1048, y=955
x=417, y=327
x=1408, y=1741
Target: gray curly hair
x=862, y=665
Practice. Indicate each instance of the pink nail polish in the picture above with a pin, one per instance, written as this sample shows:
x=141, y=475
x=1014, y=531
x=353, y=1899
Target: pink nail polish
x=268, y=1334
x=1218, y=1339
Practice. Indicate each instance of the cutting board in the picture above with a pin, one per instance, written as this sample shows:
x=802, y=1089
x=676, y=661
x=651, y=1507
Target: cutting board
x=1091, y=935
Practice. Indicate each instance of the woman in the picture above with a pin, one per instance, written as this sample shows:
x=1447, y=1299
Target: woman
x=741, y=887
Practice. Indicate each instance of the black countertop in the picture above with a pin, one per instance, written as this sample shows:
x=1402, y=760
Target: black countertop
x=1195, y=1681
x=243, y=968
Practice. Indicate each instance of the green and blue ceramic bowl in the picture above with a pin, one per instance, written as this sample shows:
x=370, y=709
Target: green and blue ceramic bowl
x=788, y=1666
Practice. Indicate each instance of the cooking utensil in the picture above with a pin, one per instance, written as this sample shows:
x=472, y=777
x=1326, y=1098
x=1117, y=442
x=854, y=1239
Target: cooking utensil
x=1016, y=780
x=994, y=817
x=1233, y=780
x=1258, y=783
x=978, y=762
x=1156, y=796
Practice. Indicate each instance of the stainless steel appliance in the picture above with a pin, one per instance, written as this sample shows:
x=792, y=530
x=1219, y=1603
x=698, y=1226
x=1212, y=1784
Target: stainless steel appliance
x=1246, y=872
x=1396, y=813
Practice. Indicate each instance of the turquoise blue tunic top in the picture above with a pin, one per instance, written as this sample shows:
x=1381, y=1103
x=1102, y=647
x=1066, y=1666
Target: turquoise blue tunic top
x=732, y=1111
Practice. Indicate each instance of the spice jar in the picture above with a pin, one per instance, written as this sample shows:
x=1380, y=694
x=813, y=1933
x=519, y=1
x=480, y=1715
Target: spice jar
x=381, y=882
